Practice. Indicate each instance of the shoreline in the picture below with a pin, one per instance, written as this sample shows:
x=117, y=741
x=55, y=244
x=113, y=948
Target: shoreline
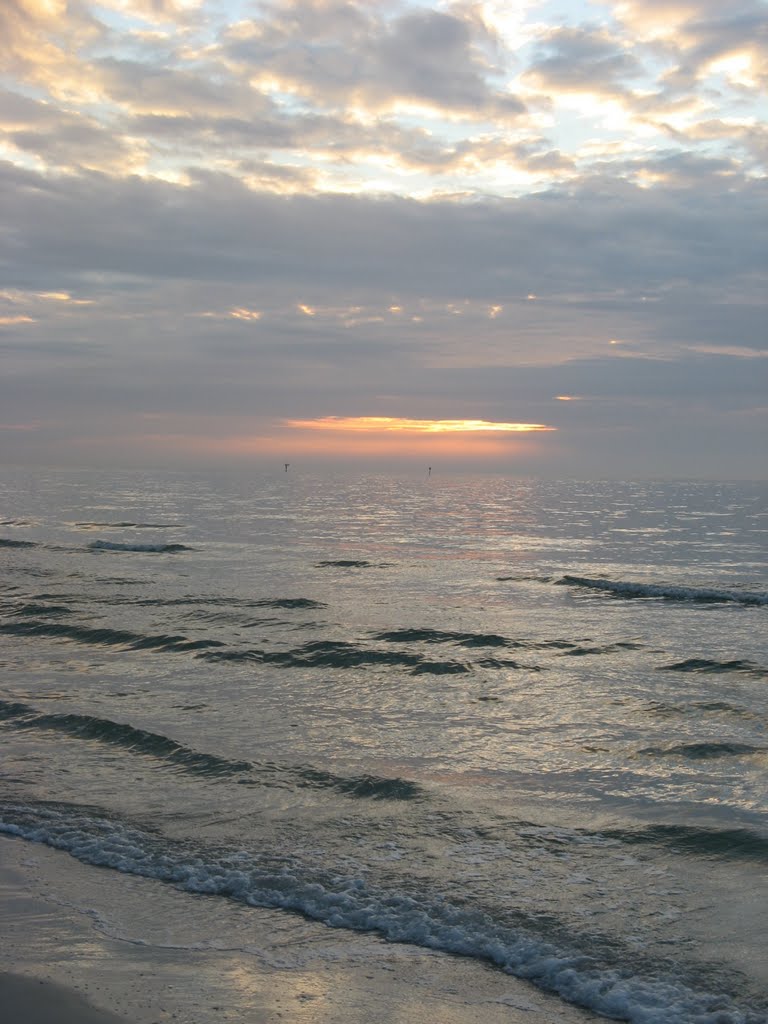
x=84, y=945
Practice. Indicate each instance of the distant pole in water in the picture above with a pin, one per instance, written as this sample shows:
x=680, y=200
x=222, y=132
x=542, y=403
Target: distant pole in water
x=286, y=464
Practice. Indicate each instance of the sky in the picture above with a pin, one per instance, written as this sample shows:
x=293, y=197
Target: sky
x=526, y=238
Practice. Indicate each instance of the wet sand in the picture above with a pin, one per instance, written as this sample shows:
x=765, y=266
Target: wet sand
x=34, y=1001
x=82, y=945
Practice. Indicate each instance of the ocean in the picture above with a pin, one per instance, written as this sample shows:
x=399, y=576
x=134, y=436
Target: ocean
x=519, y=721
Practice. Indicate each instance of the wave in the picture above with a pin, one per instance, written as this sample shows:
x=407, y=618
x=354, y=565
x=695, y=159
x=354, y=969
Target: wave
x=350, y=563
x=447, y=668
x=741, y=665
x=667, y=591
x=8, y=542
x=108, y=545
x=35, y=608
x=130, y=526
x=695, y=707
x=226, y=602
x=372, y=787
x=338, y=654
x=728, y=843
x=106, y=637
x=286, y=602
x=522, y=945
x=614, y=648
x=187, y=760
x=121, y=735
x=525, y=578
x=704, y=751
x=438, y=636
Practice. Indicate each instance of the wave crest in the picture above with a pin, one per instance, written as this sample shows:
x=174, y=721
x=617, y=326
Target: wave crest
x=184, y=759
x=707, y=665
x=106, y=637
x=109, y=545
x=704, y=751
x=666, y=591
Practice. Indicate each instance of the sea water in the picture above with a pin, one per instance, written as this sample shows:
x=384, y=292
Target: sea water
x=519, y=721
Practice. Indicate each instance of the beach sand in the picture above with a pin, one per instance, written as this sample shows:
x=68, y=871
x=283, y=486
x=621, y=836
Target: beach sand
x=33, y=1001
x=83, y=945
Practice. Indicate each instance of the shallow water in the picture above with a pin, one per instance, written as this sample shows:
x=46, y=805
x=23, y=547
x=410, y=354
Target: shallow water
x=518, y=720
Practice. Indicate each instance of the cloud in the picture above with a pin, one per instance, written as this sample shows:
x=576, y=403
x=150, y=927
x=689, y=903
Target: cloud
x=345, y=54
x=405, y=425
x=601, y=239
x=584, y=59
x=412, y=213
x=157, y=12
x=41, y=40
x=695, y=35
x=64, y=140
x=149, y=88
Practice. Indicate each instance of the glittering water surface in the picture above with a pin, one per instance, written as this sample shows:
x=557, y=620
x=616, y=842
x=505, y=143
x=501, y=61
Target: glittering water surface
x=518, y=720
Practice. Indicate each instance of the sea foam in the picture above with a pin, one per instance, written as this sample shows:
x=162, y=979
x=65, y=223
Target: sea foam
x=617, y=992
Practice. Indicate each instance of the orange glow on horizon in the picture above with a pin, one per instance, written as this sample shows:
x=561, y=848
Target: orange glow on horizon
x=323, y=444
x=402, y=425
x=331, y=437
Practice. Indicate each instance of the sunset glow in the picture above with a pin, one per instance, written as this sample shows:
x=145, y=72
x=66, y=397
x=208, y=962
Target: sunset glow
x=392, y=424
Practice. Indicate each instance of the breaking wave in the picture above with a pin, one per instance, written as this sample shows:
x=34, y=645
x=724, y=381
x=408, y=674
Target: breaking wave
x=619, y=987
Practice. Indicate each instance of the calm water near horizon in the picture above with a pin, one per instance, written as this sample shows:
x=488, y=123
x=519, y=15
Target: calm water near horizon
x=521, y=721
